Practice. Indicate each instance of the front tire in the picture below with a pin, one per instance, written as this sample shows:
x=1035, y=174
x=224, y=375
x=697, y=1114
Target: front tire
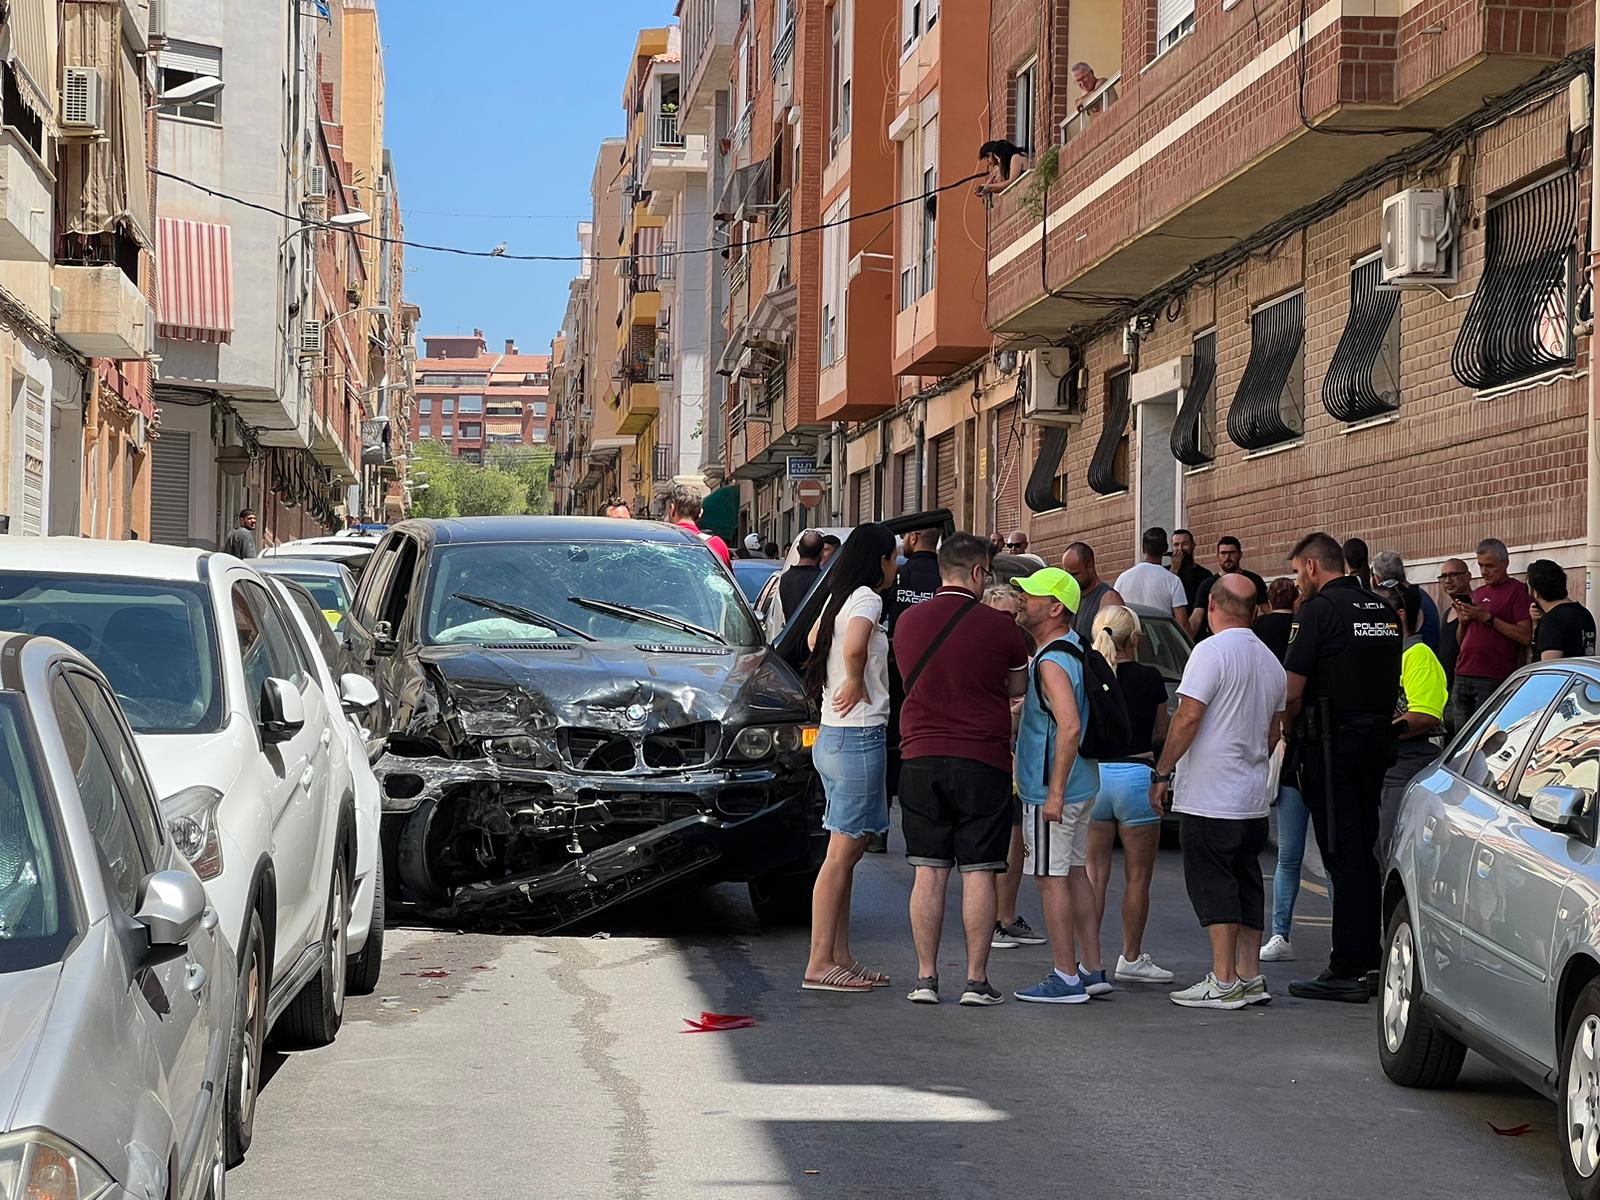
x=249, y=1043
x=313, y=1017
x=1579, y=1097
x=1414, y=1050
x=783, y=899
x=366, y=966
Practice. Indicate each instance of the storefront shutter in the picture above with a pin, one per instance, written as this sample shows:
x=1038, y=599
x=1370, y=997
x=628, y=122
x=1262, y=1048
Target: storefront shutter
x=1009, y=461
x=944, y=470
x=906, y=473
x=169, y=487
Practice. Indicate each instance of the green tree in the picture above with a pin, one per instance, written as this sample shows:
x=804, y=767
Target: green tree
x=532, y=465
x=433, y=476
x=514, y=480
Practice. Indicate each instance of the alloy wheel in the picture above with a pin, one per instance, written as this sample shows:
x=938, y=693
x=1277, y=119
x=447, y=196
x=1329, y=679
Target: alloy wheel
x=1583, y=1098
x=338, y=948
x=250, y=1052
x=1397, y=987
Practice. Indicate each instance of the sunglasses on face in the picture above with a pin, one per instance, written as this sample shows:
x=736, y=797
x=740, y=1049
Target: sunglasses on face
x=1015, y=545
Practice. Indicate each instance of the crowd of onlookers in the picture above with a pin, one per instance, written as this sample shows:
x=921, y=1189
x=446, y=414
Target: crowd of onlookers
x=1021, y=735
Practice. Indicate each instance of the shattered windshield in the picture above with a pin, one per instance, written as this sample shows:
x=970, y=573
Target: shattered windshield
x=535, y=589
x=153, y=640
x=37, y=917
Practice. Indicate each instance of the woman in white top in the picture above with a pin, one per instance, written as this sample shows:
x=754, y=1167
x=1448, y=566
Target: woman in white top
x=848, y=674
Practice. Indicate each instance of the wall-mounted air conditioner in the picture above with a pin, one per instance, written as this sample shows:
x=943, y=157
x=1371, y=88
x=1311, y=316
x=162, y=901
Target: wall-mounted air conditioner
x=317, y=184
x=83, y=100
x=158, y=21
x=1418, y=240
x=1057, y=384
x=311, y=339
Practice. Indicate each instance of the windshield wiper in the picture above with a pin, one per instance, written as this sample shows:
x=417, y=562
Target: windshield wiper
x=517, y=613
x=644, y=614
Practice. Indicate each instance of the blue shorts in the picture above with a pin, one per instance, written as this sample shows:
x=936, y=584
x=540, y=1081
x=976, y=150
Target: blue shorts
x=1125, y=794
x=851, y=761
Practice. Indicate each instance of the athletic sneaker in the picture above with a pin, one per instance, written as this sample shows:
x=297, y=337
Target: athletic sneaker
x=926, y=991
x=1053, y=989
x=1095, y=982
x=1277, y=949
x=1255, y=990
x=1017, y=933
x=981, y=992
x=1208, y=993
x=1140, y=970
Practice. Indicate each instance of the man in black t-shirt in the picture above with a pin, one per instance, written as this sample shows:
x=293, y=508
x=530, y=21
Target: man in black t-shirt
x=1566, y=628
x=1186, y=567
x=1230, y=556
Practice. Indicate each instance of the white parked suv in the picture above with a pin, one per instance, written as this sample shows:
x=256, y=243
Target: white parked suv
x=237, y=736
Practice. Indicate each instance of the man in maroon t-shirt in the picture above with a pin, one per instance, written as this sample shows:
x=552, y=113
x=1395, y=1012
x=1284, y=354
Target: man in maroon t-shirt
x=962, y=662
x=1494, y=628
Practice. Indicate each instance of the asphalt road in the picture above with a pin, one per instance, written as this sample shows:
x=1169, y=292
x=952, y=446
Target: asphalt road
x=556, y=1067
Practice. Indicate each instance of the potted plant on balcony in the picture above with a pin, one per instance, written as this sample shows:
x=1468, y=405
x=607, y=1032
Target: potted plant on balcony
x=1041, y=179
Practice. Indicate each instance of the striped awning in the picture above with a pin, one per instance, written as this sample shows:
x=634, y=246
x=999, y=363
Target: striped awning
x=196, y=294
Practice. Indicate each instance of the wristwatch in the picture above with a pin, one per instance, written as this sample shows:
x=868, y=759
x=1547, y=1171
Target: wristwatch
x=1161, y=778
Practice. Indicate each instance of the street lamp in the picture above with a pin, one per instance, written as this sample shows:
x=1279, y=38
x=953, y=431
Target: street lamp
x=201, y=87
x=349, y=220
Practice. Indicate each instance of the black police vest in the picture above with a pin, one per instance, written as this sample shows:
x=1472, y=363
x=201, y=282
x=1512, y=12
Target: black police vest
x=917, y=581
x=1358, y=671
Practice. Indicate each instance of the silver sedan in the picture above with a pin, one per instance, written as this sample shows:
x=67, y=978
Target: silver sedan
x=116, y=994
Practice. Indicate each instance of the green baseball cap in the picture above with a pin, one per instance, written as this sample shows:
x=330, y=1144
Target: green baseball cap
x=1052, y=581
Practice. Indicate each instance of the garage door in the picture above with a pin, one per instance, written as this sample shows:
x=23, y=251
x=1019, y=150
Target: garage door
x=944, y=470
x=1008, y=453
x=169, y=487
x=906, y=473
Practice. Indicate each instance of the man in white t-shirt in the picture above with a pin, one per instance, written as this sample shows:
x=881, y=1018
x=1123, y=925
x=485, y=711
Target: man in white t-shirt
x=1229, y=720
x=1152, y=585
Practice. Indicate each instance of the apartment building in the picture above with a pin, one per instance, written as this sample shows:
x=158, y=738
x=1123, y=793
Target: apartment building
x=475, y=400
x=1189, y=264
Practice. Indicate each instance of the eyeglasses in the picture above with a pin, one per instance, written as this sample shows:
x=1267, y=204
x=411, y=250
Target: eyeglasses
x=1015, y=545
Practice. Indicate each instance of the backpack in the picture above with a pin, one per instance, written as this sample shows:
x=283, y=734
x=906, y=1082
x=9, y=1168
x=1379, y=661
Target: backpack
x=1107, y=732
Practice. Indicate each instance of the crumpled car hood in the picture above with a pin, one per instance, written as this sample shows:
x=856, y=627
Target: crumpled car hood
x=595, y=685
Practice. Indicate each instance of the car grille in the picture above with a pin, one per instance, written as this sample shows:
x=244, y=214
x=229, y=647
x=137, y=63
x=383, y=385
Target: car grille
x=686, y=746
x=589, y=749
x=597, y=750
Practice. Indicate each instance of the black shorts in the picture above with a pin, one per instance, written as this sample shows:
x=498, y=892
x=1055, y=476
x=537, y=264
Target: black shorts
x=1222, y=869
x=955, y=812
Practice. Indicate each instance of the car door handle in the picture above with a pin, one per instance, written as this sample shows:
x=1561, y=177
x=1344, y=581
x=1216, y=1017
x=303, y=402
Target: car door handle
x=327, y=735
x=305, y=780
x=1485, y=863
x=196, y=982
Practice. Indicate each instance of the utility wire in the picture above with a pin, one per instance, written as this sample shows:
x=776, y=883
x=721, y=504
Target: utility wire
x=572, y=258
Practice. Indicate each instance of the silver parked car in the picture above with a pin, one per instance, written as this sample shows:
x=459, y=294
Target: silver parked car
x=1492, y=906
x=116, y=990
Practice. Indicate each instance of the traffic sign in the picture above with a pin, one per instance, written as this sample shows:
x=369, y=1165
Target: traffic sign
x=809, y=493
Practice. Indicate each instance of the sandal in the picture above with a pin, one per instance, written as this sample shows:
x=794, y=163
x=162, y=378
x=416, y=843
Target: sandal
x=840, y=979
x=875, y=978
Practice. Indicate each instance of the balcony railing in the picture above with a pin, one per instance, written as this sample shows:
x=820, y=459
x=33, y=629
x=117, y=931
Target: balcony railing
x=1096, y=102
x=667, y=130
x=778, y=222
x=739, y=274
x=667, y=261
x=783, y=51
x=662, y=462
x=640, y=370
x=741, y=131
x=643, y=276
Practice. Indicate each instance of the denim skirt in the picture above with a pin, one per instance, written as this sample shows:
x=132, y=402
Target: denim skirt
x=851, y=760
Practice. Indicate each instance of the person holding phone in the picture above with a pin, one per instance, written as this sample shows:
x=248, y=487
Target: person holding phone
x=1495, y=629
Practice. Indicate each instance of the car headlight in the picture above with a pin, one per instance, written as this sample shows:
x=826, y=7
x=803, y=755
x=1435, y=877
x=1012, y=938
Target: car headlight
x=759, y=741
x=192, y=820
x=34, y=1163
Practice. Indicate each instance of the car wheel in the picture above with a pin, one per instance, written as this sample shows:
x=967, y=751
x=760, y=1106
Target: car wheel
x=217, y=1183
x=313, y=1017
x=366, y=966
x=1579, y=1097
x=1414, y=1050
x=249, y=1044
x=783, y=899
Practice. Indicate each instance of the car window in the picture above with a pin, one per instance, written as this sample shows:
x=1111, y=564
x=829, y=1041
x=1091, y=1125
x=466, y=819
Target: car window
x=329, y=592
x=373, y=582
x=1567, y=753
x=402, y=578
x=317, y=622
x=1488, y=758
x=1163, y=647
x=263, y=643
x=103, y=802
x=38, y=918
x=124, y=758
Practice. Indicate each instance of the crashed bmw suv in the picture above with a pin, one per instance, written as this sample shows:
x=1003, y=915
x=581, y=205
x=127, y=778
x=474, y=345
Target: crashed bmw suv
x=574, y=712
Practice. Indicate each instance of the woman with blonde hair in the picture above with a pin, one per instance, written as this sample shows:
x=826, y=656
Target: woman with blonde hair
x=1123, y=805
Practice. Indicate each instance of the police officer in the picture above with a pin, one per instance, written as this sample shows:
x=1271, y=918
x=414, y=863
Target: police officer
x=1344, y=674
x=917, y=581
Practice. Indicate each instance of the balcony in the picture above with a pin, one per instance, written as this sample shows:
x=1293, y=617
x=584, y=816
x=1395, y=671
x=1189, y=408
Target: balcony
x=328, y=448
x=640, y=399
x=708, y=31
x=25, y=203
x=1096, y=102
x=103, y=313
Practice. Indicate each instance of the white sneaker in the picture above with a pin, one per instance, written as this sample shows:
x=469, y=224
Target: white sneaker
x=1140, y=970
x=1277, y=949
x=1208, y=993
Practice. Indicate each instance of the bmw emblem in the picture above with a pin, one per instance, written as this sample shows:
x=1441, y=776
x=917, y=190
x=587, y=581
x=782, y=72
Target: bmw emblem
x=636, y=713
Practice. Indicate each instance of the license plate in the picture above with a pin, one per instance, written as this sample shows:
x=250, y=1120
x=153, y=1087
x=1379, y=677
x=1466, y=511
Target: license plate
x=808, y=736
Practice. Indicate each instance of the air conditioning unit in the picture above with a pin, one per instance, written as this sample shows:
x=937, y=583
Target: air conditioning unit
x=625, y=268
x=1057, y=383
x=83, y=100
x=664, y=319
x=158, y=21
x=317, y=183
x=1418, y=241
x=311, y=339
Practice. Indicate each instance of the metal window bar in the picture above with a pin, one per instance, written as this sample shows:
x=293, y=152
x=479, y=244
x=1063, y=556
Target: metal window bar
x=1108, y=468
x=776, y=387
x=1520, y=320
x=739, y=274
x=783, y=51
x=661, y=462
x=778, y=222
x=1194, y=431
x=1268, y=408
x=664, y=358
x=741, y=131
x=667, y=261
x=1363, y=380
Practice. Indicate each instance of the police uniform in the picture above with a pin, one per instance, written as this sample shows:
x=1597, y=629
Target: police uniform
x=1346, y=643
x=917, y=580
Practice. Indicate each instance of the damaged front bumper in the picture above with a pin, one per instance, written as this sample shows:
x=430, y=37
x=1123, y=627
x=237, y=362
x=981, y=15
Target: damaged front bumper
x=545, y=848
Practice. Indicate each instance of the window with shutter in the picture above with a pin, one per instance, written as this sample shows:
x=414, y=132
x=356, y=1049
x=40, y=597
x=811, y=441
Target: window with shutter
x=1174, y=18
x=1008, y=454
x=906, y=474
x=944, y=470
x=29, y=422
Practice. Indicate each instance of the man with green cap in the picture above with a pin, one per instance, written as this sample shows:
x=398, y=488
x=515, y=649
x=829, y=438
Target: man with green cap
x=1058, y=786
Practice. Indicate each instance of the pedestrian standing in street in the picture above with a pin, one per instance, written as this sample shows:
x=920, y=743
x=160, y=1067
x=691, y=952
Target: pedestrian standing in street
x=1017, y=544
x=1344, y=675
x=848, y=674
x=1566, y=628
x=1186, y=567
x=684, y=507
x=1495, y=631
x=1058, y=785
x=794, y=583
x=830, y=547
x=1388, y=565
x=241, y=539
x=917, y=581
x=1455, y=579
x=1273, y=626
x=1358, y=561
x=617, y=509
x=1122, y=805
x=1011, y=929
x=1419, y=709
x=960, y=664
x=771, y=551
x=1220, y=743
x=1151, y=584
x=1294, y=818
x=752, y=545
x=1230, y=561
x=1096, y=593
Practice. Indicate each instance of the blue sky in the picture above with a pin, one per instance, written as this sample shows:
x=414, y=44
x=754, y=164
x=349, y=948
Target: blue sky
x=495, y=110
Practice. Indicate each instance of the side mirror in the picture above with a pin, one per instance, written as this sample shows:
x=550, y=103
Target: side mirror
x=356, y=693
x=173, y=907
x=1565, y=810
x=281, y=712
x=383, y=643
